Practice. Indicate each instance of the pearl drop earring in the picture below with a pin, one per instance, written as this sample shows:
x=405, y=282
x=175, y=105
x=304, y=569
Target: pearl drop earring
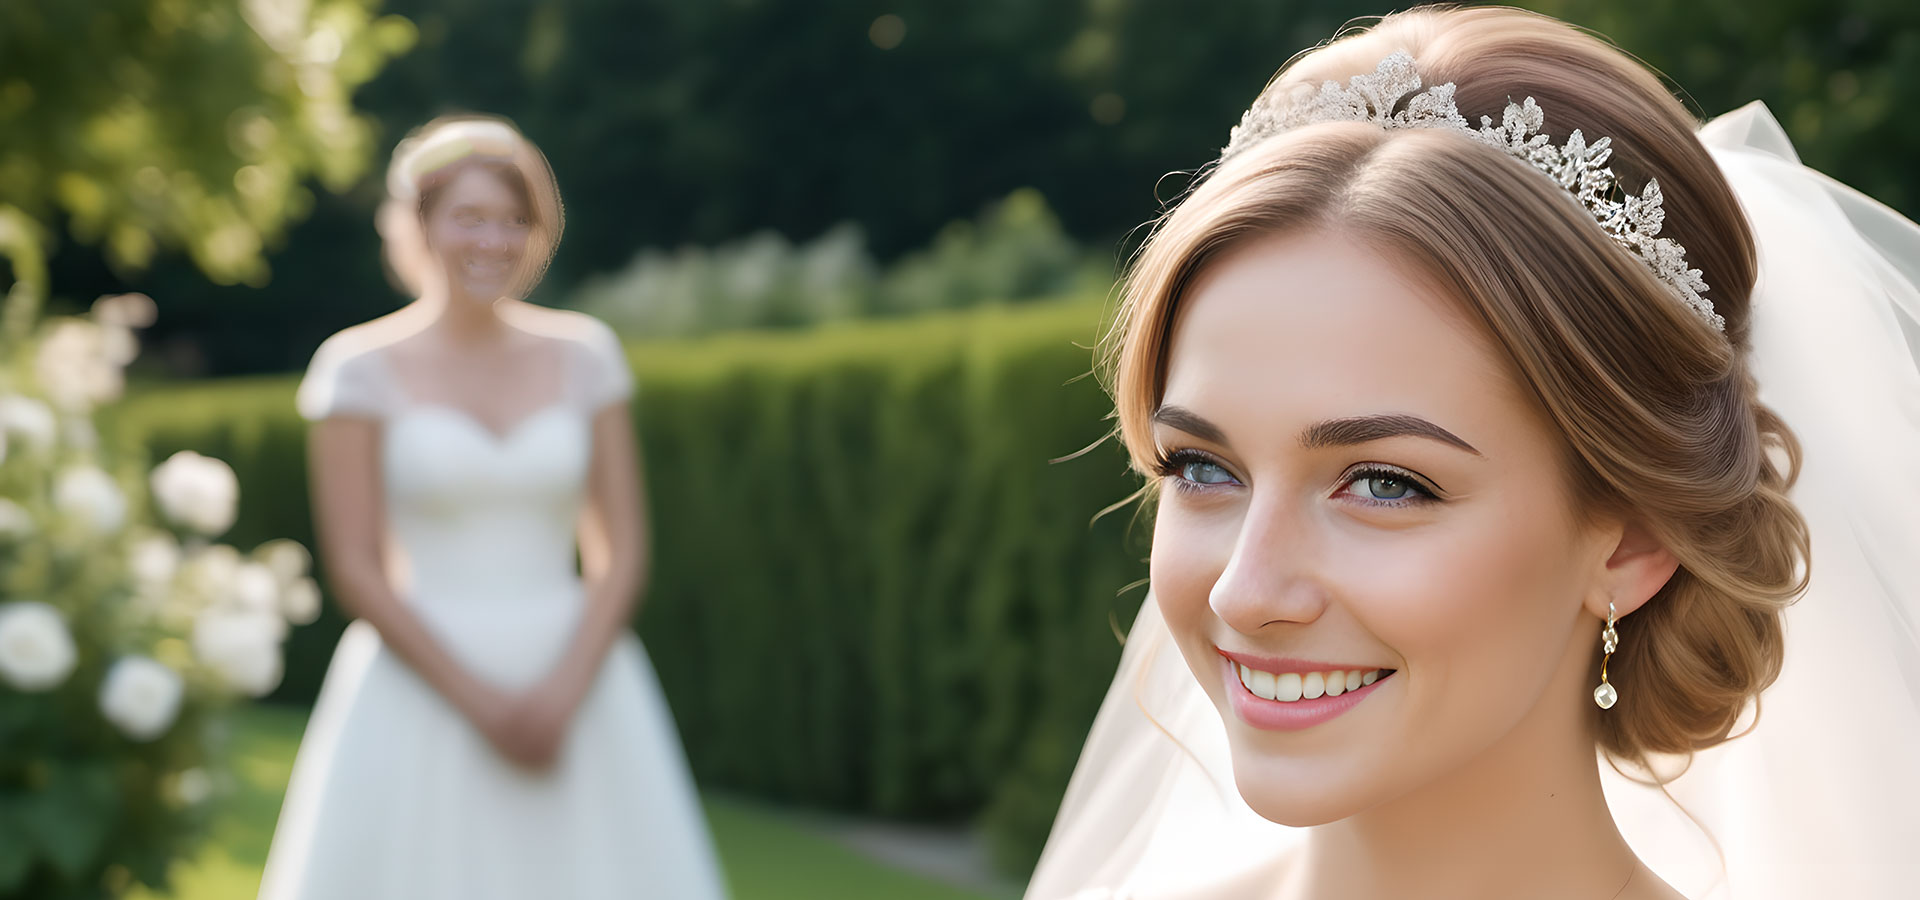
x=1605, y=695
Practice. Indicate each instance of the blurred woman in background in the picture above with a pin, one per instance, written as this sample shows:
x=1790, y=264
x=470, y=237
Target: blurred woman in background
x=489, y=726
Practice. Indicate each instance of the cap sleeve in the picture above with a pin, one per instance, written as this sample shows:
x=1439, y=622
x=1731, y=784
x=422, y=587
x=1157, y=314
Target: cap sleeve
x=609, y=378
x=342, y=380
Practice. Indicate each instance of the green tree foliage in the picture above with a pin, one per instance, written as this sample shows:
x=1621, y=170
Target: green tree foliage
x=150, y=124
x=703, y=122
x=674, y=124
x=700, y=123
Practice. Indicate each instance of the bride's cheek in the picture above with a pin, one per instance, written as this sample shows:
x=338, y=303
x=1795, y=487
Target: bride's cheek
x=1190, y=550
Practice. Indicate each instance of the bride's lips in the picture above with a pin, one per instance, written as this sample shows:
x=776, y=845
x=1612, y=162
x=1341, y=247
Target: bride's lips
x=1294, y=715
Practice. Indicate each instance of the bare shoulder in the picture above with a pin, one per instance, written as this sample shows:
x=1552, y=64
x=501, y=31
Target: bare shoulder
x=373, y=334
x=562, y=324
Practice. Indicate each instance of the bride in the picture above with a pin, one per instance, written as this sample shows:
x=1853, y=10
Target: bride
x=1509, y=436
x=489, y=727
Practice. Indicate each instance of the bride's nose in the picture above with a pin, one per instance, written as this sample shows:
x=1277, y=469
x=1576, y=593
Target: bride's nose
x=1273, y=574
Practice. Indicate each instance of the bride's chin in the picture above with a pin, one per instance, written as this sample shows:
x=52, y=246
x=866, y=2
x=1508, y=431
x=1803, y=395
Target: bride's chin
x=1281, y=799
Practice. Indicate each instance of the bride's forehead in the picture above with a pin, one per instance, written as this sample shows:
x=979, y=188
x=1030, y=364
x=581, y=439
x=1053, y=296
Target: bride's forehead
x=1322, y=300
x=1293, y=331
x=475, y=185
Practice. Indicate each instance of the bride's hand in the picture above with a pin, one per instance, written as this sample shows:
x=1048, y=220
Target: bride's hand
x=500, y=718
x=490, y=710
x=539, y=720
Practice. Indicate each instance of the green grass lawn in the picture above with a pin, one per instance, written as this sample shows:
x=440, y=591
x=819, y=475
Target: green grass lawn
x=765, y=855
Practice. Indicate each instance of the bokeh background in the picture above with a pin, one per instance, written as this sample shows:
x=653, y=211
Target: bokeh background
x=859, y=250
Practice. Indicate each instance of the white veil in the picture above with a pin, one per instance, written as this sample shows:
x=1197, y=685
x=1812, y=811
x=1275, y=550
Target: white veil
x=1823, y=797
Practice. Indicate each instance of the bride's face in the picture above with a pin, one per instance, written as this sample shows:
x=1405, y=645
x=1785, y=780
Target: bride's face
x=1365, y=546
x=478, y=227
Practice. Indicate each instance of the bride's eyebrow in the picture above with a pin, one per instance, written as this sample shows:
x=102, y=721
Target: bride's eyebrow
x=1330, y=433
x=1190, y=422
x=1362, y=429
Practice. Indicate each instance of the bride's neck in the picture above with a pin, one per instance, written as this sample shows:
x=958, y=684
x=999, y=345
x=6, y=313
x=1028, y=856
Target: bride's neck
x=1527, y=818
x=463, y=317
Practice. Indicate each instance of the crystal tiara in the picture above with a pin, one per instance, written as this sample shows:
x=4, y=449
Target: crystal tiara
x=1578, y=167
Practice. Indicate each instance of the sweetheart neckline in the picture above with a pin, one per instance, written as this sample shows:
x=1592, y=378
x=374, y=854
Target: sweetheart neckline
x=496, y=438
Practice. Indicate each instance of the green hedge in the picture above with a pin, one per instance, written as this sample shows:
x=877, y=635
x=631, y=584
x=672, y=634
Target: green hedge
x=873, y=591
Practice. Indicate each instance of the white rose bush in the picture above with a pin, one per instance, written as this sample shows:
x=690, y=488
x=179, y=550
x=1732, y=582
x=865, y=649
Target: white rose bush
x=127, y=628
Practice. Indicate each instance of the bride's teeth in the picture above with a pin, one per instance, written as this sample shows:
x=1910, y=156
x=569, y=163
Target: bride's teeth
x=1258, y=683
x=1262, y=685
x=1293, y=686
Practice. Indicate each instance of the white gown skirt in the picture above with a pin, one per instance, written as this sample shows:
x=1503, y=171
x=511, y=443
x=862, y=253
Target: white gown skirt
x=395, y=796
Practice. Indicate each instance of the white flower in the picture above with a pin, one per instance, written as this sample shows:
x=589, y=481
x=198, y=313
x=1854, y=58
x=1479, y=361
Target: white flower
x=154, y=559
x=74, y=366
x=125, y=310
x=300, y=602
x=36, y=651
x=210, y=573
x=256, y=588
x=118, y=345
x=197, y=492
x=287, y=558
x=193, y=786
x=141, y=697
x=243, y=647
x=78, y=432
x=27, y=419
x=89, y=495
x=15, y=522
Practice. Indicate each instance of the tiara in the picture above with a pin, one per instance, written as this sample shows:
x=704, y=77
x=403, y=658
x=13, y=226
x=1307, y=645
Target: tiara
x=458, y=141
x=1578, y=167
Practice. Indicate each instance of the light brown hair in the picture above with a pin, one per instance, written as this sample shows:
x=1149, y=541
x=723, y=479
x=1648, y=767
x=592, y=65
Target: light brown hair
x=1657, y=412
x=459, y=143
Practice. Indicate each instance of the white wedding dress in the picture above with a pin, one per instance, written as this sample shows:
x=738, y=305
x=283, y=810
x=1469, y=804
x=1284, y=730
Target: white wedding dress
x=394, y=795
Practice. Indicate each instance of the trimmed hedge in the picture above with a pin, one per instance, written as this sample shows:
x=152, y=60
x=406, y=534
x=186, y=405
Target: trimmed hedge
x=872, y=590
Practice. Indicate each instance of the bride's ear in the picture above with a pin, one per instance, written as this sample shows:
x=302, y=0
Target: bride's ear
x=1637, y=566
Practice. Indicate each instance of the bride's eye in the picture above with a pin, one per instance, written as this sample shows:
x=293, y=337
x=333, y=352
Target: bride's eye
x=1388, y=487
x=1192, y=470
x=1205, y=473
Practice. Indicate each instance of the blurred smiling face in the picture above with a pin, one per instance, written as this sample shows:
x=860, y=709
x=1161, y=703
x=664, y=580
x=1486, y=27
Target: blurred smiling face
x=1365, y=546
x=478, y=226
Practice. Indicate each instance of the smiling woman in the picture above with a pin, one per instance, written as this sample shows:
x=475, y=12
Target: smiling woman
x=499, y=236
x=1433, y=536
x=1461, y=474
x=489, y=727
x=1382, y=445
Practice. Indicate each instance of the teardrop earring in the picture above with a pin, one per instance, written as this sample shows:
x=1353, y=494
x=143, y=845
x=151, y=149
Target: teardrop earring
x=1605, y=695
